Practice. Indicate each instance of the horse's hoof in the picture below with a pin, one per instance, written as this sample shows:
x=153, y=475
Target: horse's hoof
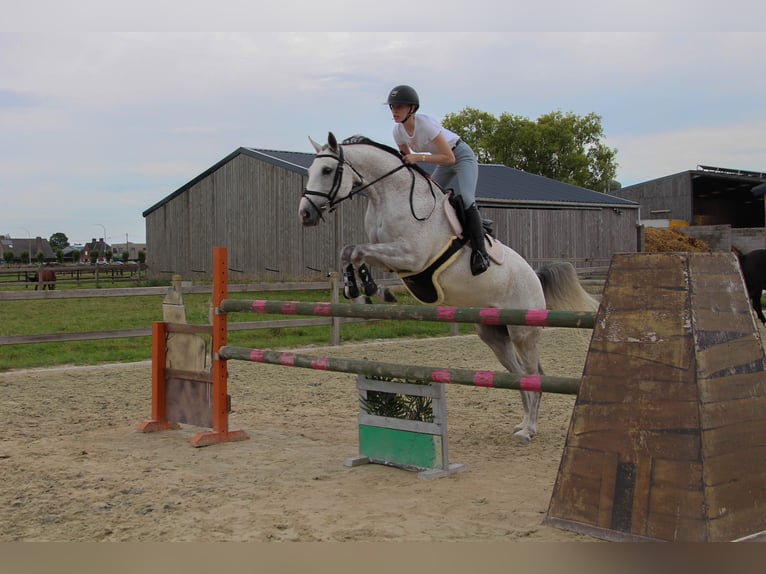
x=523, y=437
x=388, y=296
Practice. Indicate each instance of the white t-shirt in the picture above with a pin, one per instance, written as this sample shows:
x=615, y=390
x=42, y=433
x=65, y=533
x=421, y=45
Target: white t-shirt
x=426, y=130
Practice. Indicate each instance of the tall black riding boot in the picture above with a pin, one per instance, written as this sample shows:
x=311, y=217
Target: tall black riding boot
x=475, y=231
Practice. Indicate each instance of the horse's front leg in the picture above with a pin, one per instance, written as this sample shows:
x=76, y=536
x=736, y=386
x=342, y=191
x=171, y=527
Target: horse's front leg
x=370, y=288
x=394, y=256
x=387, y=256
x=368, y=283
x=350, y=287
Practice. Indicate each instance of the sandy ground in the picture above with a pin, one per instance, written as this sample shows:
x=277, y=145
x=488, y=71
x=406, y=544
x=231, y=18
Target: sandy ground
x=74, y=467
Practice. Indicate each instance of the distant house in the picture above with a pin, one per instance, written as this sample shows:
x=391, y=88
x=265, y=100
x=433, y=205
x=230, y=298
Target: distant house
x=132, y=248
x=99, y=246
x=70, y=250
x=248, y=202
x=31, y=247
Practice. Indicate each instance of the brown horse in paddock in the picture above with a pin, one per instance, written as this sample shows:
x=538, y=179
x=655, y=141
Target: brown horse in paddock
x=47, y=278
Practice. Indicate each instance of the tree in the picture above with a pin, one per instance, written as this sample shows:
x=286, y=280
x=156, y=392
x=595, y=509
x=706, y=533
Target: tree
x=40, y=257
x=125, y=256
x=76, y=255
x=58, y=241
x=60, y=255
x=474, y=126
x=564, y=147
x=94, y=255
x=8, y=256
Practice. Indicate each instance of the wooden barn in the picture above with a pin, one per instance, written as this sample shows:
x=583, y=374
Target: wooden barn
x=719, y=205
x=248, y=202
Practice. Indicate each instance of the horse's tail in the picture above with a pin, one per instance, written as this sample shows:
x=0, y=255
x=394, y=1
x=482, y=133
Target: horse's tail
x=563, y=290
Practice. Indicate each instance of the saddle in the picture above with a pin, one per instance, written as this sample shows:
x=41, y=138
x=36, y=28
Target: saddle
x=425, y=285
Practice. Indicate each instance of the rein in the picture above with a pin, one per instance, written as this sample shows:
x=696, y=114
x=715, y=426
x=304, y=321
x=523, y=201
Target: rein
x=331, y=196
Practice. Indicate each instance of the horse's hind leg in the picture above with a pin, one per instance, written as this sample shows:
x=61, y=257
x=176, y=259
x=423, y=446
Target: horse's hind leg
x=516, y=349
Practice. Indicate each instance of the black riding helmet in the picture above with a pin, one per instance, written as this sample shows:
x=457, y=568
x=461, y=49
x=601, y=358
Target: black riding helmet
x=403, y=95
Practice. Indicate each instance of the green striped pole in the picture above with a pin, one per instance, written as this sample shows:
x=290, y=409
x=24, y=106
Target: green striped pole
x=407, y=373
x=486, y=316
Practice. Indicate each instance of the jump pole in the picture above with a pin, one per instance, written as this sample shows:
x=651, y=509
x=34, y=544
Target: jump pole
x=443, y=314
x=375, y=369
x=403, y=443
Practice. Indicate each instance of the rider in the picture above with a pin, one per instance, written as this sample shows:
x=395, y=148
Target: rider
x=422, y=138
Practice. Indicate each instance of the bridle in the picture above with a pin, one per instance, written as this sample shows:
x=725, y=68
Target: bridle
x=332, y=195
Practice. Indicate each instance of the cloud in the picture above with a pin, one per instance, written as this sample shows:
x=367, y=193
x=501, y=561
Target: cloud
x=117, y=119
x=478, y=16
x=651, y=156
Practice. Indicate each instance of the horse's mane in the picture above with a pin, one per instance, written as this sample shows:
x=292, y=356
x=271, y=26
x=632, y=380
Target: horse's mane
x=360, y=139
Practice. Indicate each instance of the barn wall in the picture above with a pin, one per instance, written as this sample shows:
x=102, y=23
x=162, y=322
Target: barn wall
x=664, y=198
x=724, y=237
x=748, y=238
x=576, y=235
x=250, y=207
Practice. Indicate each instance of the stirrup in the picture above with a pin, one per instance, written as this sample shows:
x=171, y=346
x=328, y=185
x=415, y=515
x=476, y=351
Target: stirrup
x=479, y=262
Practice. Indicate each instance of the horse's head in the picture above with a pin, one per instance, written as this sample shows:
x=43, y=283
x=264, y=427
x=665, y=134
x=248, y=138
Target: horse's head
x=328, y=182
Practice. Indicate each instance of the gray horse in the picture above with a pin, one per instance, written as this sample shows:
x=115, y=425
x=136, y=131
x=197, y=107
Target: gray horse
x=412, y=232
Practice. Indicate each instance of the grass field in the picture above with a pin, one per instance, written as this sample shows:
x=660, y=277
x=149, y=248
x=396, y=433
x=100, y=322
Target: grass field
x=117, y=313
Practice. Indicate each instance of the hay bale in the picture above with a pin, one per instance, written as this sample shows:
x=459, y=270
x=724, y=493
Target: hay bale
x=664, y=240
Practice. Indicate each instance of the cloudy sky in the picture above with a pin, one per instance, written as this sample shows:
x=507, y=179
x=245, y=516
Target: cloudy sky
x=96, y=126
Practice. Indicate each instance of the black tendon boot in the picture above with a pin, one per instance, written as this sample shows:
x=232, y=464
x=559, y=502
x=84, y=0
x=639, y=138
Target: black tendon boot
x=475, y=232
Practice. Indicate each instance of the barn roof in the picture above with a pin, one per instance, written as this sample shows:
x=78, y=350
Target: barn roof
x=31, y=246
x=708, y=180
x=497, y=183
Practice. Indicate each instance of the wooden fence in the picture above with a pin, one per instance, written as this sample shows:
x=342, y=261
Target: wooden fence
x=14, y=277
x=332, y=284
